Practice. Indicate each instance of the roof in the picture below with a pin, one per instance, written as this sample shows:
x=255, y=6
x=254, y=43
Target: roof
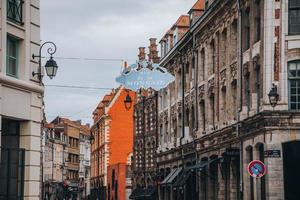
x=85, y=130
x=182, y=21
x=106, y=100
x=60, y=120
x=49, y=125
x=199, y=5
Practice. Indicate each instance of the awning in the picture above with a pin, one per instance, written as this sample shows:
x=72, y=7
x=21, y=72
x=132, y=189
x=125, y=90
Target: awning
x=203, y=164
x=183, y=178
x=137, y=193
x=140, y=193
x=171, y=176
x=174, y=175
x=149, y=192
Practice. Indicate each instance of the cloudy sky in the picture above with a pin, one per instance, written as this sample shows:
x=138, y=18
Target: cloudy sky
x=109, y=29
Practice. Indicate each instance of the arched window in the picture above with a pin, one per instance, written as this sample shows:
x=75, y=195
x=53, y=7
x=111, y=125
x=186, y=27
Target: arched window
x=294, y=84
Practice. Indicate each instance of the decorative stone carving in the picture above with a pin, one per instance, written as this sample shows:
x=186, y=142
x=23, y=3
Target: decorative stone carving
x=173, y=113
x=233, y=73
x=187, y=101
x=223, y=79
x=246, y=70
x=201, y=92
x=166, y=116
x=179, y=107
x=211, y=87
x=161, y=118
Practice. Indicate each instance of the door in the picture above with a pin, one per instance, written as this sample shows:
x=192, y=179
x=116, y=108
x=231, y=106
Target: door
x=291, y=166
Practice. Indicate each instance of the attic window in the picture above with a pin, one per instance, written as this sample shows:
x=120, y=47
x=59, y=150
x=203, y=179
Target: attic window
x=206, y=4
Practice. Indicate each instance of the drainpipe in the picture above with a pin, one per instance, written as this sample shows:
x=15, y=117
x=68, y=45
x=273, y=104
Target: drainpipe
x=240, y=84
x=195, y=63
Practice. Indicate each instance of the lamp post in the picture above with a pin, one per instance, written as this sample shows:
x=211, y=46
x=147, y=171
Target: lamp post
x=51, y=66
x=273, y=96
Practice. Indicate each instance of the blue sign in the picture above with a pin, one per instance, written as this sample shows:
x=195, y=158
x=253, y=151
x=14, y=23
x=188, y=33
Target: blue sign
x=144, y=75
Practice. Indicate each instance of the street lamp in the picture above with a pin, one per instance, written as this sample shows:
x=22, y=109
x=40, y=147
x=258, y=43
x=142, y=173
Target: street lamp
x=128, y=101
x=51, y=66
x=273, y=96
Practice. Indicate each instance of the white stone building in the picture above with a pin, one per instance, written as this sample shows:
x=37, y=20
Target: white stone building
x=85, y=161
x=21, y=97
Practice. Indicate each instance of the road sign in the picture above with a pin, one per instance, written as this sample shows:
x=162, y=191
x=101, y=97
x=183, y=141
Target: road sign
x=256, y=169
x=145, y=75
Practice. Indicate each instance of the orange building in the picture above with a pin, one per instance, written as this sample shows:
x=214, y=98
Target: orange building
x=112, y=144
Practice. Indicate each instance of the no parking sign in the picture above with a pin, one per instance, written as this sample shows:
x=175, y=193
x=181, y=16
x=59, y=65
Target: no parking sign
x=256, y=168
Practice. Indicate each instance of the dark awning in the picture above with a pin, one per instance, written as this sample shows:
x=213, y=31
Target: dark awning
x=203, y=164
x=170, y=178
x=182, y=178
x=174, y=175
x=137, y=193
x=149, y=192
x=140, y=193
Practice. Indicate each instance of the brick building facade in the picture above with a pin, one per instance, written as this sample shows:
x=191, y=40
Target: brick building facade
x=112, y=144
x=145, y=135
x=216, y=117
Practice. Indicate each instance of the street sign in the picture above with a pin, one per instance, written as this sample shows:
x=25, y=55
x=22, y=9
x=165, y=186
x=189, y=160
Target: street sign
x=256, y=169
x=274, y=153
x=232, y=152
x=144, y=75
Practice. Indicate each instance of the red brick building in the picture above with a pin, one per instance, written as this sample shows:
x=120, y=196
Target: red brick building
x=112, y=145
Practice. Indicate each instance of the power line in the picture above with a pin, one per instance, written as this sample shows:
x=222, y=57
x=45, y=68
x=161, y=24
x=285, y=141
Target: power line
x=79, y=87
x=91, y=59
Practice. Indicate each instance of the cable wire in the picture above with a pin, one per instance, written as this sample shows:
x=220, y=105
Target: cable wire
x=79, y=87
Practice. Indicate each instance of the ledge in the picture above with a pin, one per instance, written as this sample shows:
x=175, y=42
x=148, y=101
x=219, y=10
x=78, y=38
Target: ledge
x=21, y=84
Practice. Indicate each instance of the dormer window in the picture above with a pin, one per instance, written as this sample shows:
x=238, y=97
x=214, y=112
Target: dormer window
x=206, y=4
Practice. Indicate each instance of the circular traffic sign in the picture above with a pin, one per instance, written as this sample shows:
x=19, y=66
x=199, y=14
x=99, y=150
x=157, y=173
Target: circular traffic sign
x=256, y=169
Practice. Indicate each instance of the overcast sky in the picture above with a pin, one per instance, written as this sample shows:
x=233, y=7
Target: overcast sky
x=98, y=29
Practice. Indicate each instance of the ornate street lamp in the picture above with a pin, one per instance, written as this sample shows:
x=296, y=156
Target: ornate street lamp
x=128, y=101
x=273, y=96
x=51, y=66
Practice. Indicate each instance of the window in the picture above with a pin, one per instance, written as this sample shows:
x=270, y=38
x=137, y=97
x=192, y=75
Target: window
x=247, y=92
x=203, y=65
x=12, y=57
x=257, y=20
x=294, y=84
x=246, y=21
x=258, y=87
x=294, y=17
x=14, y=11
x=212, y=111
x=206, y=4
x=213, y=56
x=202, y=110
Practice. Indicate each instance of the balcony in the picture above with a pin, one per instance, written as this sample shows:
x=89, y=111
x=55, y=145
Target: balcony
x=15, y=11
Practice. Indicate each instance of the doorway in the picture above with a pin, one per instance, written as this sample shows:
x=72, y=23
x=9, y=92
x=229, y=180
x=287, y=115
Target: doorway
x=291, y=166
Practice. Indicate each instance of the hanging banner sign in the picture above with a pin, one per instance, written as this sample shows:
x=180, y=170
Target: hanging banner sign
x=144, y=75
x=256, y=169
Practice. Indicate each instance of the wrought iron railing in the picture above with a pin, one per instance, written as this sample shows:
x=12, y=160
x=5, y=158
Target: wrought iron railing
x=12, y=163
x=15, y=11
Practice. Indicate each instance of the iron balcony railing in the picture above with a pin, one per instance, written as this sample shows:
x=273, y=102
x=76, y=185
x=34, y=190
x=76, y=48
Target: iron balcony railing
x=15, y=11
x=12, y=162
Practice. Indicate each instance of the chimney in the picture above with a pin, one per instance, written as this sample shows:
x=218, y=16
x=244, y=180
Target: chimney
x=125, y=64
x=78, y=122
x=153, y=53
x=142, y=54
